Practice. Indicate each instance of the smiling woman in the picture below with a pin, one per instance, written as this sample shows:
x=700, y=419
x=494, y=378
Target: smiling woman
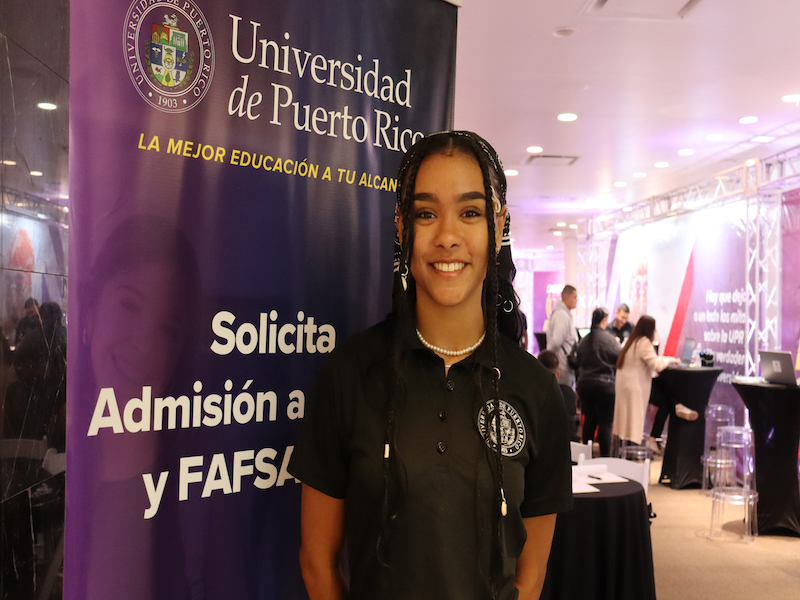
x=433, y=443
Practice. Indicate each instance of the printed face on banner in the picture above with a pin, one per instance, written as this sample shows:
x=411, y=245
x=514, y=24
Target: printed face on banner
x=450, y=231
x=137, y=332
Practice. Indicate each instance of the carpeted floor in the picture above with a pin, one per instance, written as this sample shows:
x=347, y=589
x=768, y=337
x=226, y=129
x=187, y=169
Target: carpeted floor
x=689, y=566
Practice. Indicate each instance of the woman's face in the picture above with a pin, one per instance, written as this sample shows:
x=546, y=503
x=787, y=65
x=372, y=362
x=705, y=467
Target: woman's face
x=138, y=330
x=449, y=257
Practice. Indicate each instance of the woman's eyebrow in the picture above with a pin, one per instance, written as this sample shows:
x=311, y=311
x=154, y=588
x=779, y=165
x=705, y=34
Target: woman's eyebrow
x=465, y=197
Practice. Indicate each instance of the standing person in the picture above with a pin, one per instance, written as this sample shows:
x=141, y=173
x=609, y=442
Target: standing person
x=635, y=367
x=561, y=332
x=597, y=356
x=621, y=327
x=549, y=359
x=29, y=322
x=433, y=443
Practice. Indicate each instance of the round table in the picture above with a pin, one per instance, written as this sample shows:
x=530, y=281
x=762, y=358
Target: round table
x=602, y=548
x=690, y=386
x=775, y=420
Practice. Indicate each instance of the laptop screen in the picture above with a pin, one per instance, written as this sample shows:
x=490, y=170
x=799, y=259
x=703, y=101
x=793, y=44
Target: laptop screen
x=688, y=350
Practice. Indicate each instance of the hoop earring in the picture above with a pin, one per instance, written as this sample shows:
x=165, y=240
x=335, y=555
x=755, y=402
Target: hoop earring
x=404, y=277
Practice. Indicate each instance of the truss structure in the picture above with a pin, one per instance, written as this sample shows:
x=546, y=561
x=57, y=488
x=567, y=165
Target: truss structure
x=34, y=206
x=592, y=278
x=760, y=183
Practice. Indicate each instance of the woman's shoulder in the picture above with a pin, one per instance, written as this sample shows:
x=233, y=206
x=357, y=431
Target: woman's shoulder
x=523, y=362
x=368, y=345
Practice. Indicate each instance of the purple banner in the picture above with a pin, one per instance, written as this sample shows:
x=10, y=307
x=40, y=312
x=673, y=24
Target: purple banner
x=232, y=188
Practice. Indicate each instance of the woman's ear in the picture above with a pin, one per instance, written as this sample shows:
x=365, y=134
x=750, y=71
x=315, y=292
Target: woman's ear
x=499, y=226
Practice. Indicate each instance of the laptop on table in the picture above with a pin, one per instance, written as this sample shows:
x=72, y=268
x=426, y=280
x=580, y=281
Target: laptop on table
x=777, y=367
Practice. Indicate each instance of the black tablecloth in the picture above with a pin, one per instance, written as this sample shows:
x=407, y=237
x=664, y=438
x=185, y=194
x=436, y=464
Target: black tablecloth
x=601, y=548
x=775, y=420
x=690, y=386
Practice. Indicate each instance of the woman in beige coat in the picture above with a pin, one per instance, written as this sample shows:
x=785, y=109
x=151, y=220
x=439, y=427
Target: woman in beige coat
x=635, y=366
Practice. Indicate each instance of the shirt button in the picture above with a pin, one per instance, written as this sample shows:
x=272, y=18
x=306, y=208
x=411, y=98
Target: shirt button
x=443, y=415
x=441, y=447
x=451, y=385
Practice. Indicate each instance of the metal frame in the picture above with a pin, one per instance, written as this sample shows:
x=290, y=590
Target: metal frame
x=761, y=184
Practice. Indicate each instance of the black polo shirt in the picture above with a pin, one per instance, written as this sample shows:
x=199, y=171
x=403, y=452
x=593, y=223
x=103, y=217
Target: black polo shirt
x=441, y=544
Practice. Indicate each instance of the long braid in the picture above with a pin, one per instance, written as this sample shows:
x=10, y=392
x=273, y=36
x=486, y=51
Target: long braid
x=393, y=472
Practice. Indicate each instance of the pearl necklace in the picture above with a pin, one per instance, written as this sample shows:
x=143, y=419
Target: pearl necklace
x=438, y=350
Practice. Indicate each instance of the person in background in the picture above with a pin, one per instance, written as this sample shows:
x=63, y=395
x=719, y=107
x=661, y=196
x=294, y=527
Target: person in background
x=549, y=359
x=597, y=359
x=561, y=332
x=621, y=327
x=30, y=321
x=635, y=366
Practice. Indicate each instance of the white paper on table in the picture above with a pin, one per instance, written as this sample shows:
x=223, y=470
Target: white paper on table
x=580, y=486
x=605, y=478
x=584, y=470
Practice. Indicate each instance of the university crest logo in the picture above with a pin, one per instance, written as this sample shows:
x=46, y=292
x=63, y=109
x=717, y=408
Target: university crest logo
x=512, y=428
x=169, y=53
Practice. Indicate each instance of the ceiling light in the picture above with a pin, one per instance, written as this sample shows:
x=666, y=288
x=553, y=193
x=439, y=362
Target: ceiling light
x=750, y=162
x=685, y=152
x=511, y=172
x=63, y=196
x=748, y=120
x=715, y=137
x=661, y=165
x=627, y=209
x=763, y=139
x=791, y=98
x=567, y=117
x=561, y=224
x=534, y=149
x=36, y=173
x=621, y=184
x=563, y=32
x=47, y=106
x=10, y=163
x=65, y=209
x=548, y=248
x=557, y=233
x=640, y=175
x=573, y=226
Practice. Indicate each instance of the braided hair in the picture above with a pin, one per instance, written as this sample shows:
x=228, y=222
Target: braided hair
x=500, y=311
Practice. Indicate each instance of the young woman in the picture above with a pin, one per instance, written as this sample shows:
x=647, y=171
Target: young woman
x=635, y=367
x=597, y=359
x=433, y=443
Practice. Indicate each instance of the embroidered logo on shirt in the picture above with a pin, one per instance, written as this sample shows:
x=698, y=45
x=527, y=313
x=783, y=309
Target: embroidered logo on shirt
x=512, y=429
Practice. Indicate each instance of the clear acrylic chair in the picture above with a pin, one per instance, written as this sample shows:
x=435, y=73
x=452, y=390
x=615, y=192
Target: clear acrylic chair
x=716, y=416
x=738, y=486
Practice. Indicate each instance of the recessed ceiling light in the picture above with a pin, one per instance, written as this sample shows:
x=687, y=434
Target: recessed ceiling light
x=548, y=248
x=715, y=137
x=9, y=163
x=47, y=106
x=620, y=184
x=685, y=152
x=36, y=173
x=661, y=165
x=627, y=209
x=557, y=233
x=563, y=32
x=573, y=225
x=65, y=209
x=511, y=172
x=534, y=149
x=567, y=117
x=791, y=98
x=750, y=162
x=561, y=224
x=64, y=196
x=763, y=139
x=640, y=175
x=748, y=120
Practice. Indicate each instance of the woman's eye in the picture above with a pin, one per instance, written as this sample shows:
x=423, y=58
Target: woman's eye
x=424, y=214
x=472, y=213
